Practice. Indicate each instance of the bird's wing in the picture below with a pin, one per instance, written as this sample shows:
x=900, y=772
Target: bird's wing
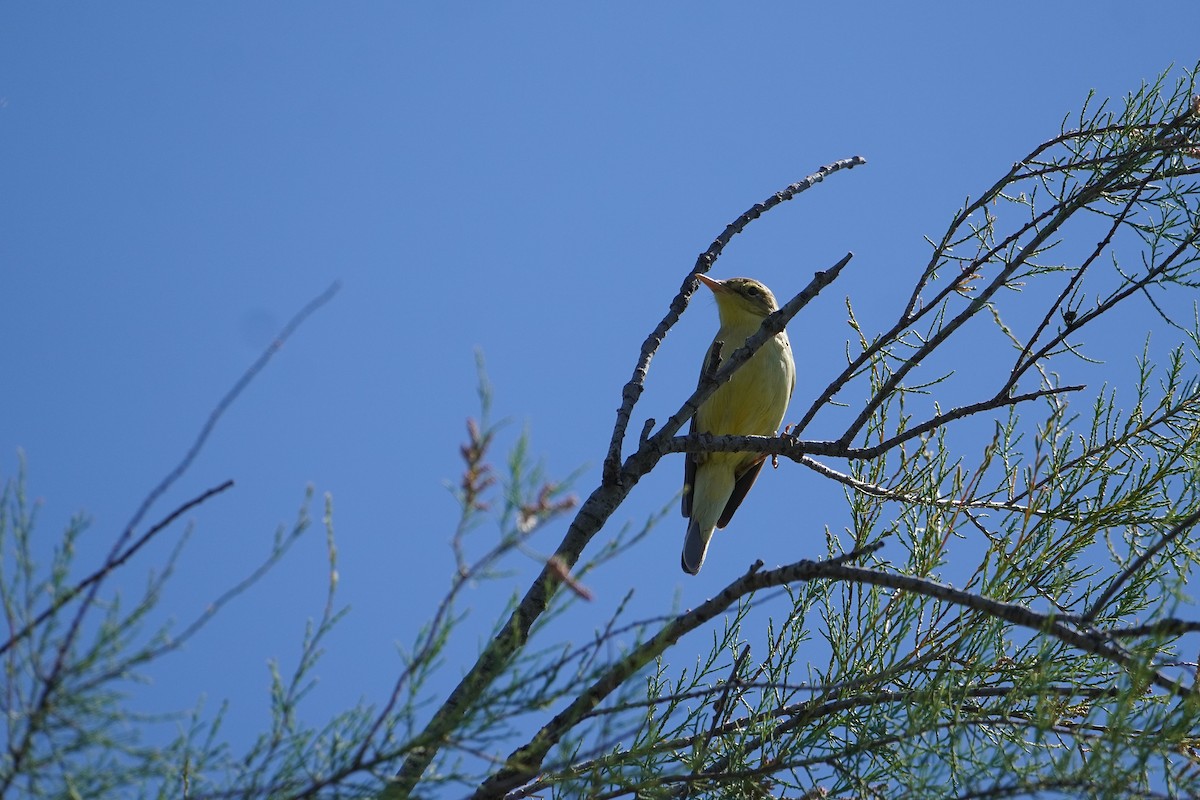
x=740, y=488
x=709, y=366
x=689, y=475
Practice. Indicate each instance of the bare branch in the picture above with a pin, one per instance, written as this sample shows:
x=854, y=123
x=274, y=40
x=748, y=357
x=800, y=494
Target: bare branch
x=1101, y=602
x=113, y=564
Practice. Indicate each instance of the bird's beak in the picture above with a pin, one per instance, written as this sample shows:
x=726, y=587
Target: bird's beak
x=716, y=285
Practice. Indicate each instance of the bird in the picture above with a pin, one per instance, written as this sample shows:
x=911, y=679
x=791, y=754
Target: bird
x=751, y=403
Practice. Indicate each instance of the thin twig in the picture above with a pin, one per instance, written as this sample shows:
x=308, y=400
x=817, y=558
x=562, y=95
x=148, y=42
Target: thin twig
x=109, y=566
x=1098, y=605
x=940, y=420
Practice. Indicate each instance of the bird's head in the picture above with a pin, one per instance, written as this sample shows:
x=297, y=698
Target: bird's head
x=741, y=298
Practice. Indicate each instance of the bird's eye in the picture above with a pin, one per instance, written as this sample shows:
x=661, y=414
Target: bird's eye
x=752, y=291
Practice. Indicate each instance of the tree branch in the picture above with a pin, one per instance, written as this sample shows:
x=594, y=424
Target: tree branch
x=526, y=762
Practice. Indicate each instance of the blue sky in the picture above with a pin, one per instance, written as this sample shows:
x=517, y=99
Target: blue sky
x=531, y=180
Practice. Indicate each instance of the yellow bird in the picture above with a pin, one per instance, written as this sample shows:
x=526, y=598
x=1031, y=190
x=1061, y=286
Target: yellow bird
x=751, y=403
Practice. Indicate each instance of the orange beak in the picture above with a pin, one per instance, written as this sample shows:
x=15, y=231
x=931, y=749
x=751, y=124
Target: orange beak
x=716, y=285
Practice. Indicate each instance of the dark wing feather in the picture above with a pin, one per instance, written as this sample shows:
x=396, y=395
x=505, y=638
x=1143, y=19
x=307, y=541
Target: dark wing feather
x=689, y=476
x=740, y=488
x=689, y=459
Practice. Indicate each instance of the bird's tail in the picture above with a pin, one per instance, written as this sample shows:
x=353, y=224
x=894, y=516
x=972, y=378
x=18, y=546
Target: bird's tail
x=695, y=547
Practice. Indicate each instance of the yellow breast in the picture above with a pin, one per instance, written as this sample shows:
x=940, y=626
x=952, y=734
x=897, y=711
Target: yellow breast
x=753, y=402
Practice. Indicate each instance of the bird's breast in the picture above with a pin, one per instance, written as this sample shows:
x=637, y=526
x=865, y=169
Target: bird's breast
x=755, y=399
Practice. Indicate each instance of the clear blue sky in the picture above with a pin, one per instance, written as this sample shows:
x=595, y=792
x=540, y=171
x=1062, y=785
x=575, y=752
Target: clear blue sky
x=533, y=180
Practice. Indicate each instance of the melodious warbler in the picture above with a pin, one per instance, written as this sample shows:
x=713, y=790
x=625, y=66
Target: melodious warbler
x=751, y=403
